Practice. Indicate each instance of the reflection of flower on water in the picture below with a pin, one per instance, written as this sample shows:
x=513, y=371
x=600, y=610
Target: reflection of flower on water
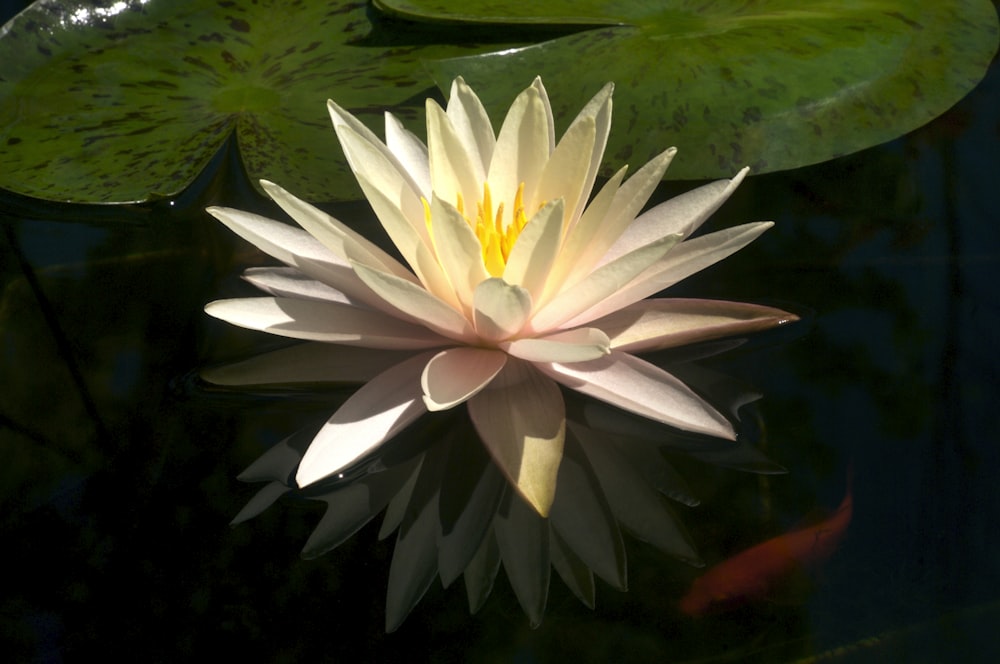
x=515, y=285
x=454, y=515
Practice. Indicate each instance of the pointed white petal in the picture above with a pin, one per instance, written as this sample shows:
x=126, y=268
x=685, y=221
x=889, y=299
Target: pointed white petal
x=501, y=309
x=682, y=261
x=682, y=214
x=379, y=172
x=637, y=386
x=666, y=323
x=535, y=250
x=291, y=282
x=333, y=233
x=452, y=170
x=628, y=201
x=598, y=108
x=458, y=251
x=333, y=322
x=414, y=301
x=411, y=153
x=566, y=172
x=598, y=286
x=375, y=413
x=523, y=147
x=543, y=95
x=472, y=125
x=520, y=417
x=456, y=374
x=416, y=247
x=312, y=362
x=344, y=120
x=578, y=345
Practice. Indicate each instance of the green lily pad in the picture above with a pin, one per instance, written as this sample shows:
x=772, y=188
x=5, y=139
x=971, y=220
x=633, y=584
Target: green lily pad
x=773, y=84
x=106, y=101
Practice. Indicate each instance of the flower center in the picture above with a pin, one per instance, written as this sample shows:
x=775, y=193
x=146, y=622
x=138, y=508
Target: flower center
x=496, y=237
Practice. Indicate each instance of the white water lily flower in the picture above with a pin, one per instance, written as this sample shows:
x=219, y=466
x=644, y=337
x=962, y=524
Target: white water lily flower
x=513, y=284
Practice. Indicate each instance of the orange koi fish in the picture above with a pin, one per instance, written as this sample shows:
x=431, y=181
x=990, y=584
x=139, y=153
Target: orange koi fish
x=753, y=573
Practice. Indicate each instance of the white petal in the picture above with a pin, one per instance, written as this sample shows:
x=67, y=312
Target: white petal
x=523, y=147
x=683, y=260
x=628, y=201
x=341, y=120
x=579, y=345
x=599, y=285
x=566, y=172
x=535, y=250
x=682, y=214
x=452, y=171
x=375, y=413
x=332, y=233
x=297, y=248
x=472, y=125
x=520, y=417
x=456, y=374
x=411, y=153
x=416, y=247
x=501, y=309
x=333, y=322
x=312, y=362
x=291, y=282
x=667, y=323
x=417, y=303
x=523, y=539
x=578, y=234
x=637, y=386
x=458, y=251
x=379, y=172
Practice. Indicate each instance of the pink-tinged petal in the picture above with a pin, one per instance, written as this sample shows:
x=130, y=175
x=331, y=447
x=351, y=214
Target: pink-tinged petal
x=521, y=419
x=342, y=119
x=637, y=386
x=628, y=201
x=682, y=261
x=598, y=286
x=417, y=303
x=579, y=345
x=453, y=174
x=682, y=214
x=332, y=233
x=501, y=309
x=311, y=362
x=332, y=322
x=375, y=413
x=536, y=248
x=456, y=374
x=565, y=173
x=411, y=153
x=522, y=149
x=666, y=323
x=291, y=282
x=472, y=125
x=458, y=251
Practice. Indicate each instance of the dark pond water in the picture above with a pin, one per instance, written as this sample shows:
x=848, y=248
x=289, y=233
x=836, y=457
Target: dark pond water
x=118, y=474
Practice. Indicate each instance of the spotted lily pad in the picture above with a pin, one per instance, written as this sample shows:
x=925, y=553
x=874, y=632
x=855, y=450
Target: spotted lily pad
x=115, y=101
x=773, y=84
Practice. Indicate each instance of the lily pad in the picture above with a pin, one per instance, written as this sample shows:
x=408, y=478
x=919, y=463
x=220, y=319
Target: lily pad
x=773, y=84
x=117, y=101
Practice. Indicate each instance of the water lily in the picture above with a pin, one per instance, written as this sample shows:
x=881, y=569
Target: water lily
x=516, y=281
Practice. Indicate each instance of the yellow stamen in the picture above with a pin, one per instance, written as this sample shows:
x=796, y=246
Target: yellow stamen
x=495, y=237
